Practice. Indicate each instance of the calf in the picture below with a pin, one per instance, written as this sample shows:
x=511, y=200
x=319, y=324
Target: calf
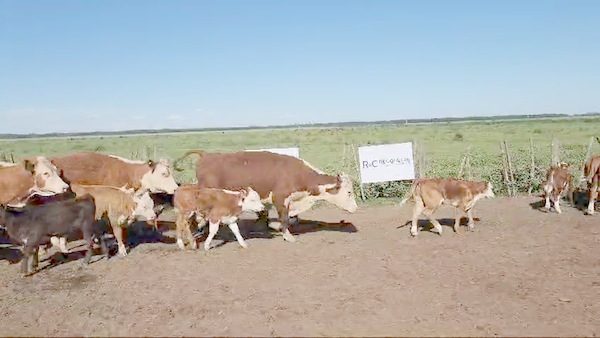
x=215, y=206
x=121, y=206
x=34, y=225
x=431, y=193
x=556, y=183
x=591, y=170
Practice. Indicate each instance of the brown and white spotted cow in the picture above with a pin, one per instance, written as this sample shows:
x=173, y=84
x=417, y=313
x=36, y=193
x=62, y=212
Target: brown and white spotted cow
x=215, y=206
x=430, y=193
x=557, y=182
x=591, y=171
x=289, y=184
x=99, y=169
x=37, y=175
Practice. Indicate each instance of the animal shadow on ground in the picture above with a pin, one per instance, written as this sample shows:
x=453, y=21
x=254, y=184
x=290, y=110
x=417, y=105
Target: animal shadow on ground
x=140, y=233
x=59, y=258
x=425, y=224
x=258, y=228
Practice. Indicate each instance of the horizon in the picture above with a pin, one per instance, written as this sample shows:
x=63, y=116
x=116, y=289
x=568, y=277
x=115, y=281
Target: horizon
x=145, y=65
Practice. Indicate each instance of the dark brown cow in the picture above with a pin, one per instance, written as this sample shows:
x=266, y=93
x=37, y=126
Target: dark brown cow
x=557, y=182
x=289, y=184
x=430, y=193
x=592, y=174
x=215, y=206
x=20, y=179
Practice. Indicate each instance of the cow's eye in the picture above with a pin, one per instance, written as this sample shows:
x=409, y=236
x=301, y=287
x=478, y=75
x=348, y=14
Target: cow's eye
x=46, y=174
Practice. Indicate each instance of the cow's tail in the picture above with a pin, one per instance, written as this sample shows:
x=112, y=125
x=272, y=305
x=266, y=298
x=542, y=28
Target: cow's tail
x=200, y=154
x=410, y=194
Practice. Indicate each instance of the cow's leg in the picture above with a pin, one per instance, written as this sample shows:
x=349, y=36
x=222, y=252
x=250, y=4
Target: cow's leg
x=213, y=227
x=180, y=223
x=236, y=231
x=285, y=223
x=471, y=221
x=190, y=237
x=547, y=206
x=557, y=203
x=35, y=259
x=593, y=196
x=417, y=210
x=27, y=260
x=428, y=212
x=119, y=232
x=457, y=216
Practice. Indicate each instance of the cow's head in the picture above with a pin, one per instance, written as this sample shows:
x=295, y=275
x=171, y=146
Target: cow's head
x=488, y=191
x=563, y=165
x=251, y=201
x=159, y=178
x=46, y=176
x=144, y=206
x=341, y=194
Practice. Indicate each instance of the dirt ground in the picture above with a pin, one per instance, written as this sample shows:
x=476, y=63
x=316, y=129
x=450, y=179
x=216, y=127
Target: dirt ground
x=522, y=272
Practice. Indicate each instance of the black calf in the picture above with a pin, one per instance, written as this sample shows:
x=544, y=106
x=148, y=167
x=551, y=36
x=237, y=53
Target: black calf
x=34, y=225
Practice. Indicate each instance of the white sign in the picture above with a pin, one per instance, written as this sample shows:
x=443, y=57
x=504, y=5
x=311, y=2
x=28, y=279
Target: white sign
x=294, y=152
x=386, y=162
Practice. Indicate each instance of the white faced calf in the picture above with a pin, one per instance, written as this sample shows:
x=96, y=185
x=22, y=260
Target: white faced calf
x=215, y=206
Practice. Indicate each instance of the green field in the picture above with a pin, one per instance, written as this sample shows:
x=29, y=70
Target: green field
x=331, y=149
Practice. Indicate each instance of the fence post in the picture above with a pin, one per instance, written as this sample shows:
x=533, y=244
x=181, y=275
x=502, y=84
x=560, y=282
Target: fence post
x=532, y=171
x=505, y=169
x=512, y=176
x=555, y=152
x=468, y=162
x=362, y=191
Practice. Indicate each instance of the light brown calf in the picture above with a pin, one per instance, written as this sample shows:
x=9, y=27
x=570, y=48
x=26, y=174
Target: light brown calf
x=120, y=205
x=430, y=193
x=215, y=206
x=556, y=183
x=591, y=171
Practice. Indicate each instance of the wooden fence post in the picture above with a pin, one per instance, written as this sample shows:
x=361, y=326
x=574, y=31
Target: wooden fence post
x=555, y=152
x=505, y=169
x=362, y=191
x=510, y=168
x=532, y=171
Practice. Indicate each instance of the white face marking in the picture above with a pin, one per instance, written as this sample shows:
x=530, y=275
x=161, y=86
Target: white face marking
x=144, y=206
x=47, y=173
x=252, y=201
x=345, y=197
x=160, y=180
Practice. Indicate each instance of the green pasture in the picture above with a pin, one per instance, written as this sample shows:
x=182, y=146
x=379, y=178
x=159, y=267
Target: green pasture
x=332, y=149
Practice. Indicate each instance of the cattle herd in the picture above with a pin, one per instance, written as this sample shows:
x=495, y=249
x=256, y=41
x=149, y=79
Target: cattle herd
x=48, y=201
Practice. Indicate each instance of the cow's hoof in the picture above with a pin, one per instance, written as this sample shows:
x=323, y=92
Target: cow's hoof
x=289, y=237
x=414, y=233
x=180, y=244
x=206, y=248
x=244, y=245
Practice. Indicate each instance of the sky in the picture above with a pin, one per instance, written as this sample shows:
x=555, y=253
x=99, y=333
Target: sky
x=82, y=66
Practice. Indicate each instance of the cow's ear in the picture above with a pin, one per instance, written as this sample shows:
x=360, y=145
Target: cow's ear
x=29, y=166
x=151, y=164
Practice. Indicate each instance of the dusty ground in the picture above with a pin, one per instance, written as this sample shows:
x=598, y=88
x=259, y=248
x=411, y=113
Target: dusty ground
x=522, y=272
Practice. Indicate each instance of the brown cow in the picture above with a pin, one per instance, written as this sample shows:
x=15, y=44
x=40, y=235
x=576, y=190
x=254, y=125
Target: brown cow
x=289, y=184
x=557, y=182
x=430, y=193
x=99, y=169
x=592, y=174
x=20, y=179
x=215, y=206
x=120, y=205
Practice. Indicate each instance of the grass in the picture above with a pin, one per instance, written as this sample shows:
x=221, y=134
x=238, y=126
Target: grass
x=332, y=149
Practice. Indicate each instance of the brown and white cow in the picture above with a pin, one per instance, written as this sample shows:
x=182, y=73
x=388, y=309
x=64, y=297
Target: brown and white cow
x=20, y=179
x=592, y=174
x=214, y=206
x=289, y=184
x=430, y=193
x=98, y=169
x=121, y=206
x=557, y=182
